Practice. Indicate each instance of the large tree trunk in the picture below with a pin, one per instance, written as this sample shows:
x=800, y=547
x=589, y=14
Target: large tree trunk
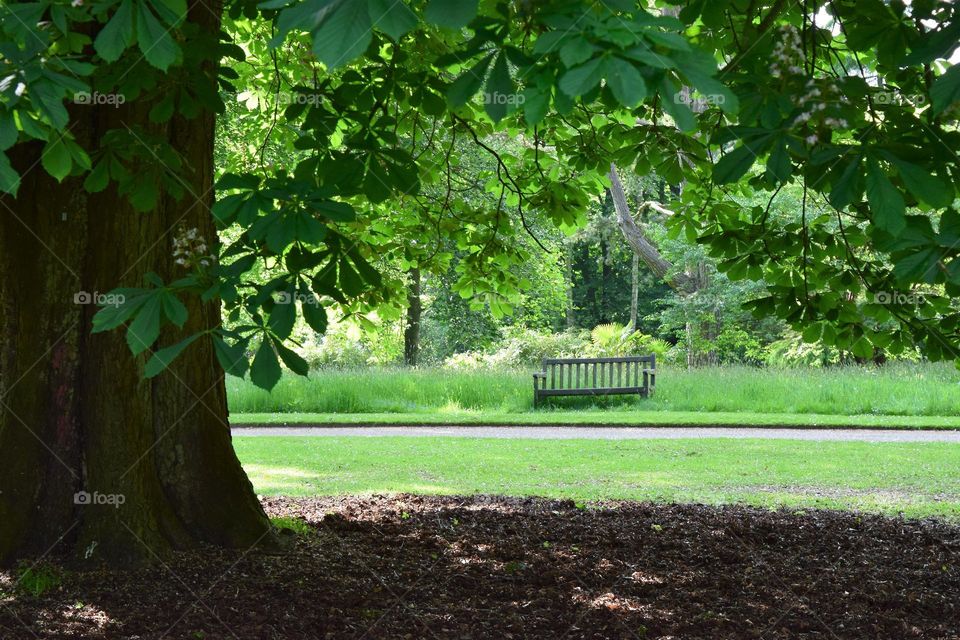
x=411, y=332
x=77, y=414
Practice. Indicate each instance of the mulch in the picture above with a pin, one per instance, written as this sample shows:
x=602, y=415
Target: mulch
x=489, y=567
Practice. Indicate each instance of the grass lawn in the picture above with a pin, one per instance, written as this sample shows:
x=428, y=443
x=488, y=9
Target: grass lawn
x=914, y=479
x=900, y=395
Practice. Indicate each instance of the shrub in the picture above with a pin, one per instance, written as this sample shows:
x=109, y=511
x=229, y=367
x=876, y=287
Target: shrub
x=608, y=340
x=793, y=351
x=522, y=346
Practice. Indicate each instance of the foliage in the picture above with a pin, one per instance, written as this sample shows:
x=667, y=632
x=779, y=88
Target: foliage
x=38, y=579
x=852, y=102
x=346, y=345
x=522, y=346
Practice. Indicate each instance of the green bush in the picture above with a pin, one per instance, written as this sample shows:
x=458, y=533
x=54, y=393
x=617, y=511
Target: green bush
x=521, y=346
x=608, y=340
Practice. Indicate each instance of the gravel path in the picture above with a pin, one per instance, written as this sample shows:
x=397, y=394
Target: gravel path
x=607, y=433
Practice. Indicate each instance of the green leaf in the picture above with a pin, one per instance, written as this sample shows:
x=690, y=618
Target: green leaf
x=676, y=108
x=949, y=229
x=580, y=80
x=283, y=316
x=112, y=316
x=9, y=178
x=668, y=39
x=812, y=332
x=376, y=184
x=500, y=90
x=946, y=89
x=339, y=211
x=8, y=130
x=145, y=327
x=453, y=14
x=50, y=104
x=344, y=35
x=625, y=81
x=393, y=17
x=536, y=101
x=921, y=184
x=735, y=164
x=350, y=280
x=265, y=372
x=919, y=266
x=156, y=43
x=778, y=164
x=577, y=50
x=886, y=203
x=305, y=14
x=163, y=109
x=862, y=348
x=117, y=34
x=315, y=315
x=173, y=309
x=56, y=159
x=232, y=358
x=847, y=187
x=467, y=85
x=292, y=359
x=176, y=8
x=161, y=359
x=368, y=273
x=77, y=154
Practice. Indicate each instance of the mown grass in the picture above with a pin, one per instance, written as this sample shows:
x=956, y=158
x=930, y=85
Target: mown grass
x=895, y=390
x=915, y=479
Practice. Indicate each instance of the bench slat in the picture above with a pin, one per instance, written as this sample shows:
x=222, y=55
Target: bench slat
x=589, y=392
x=549, y=361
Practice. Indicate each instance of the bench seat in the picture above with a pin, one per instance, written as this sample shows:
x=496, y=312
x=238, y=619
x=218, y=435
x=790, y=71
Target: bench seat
x=595, y=377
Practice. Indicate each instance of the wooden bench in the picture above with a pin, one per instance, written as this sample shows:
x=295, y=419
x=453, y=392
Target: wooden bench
x=595, y=377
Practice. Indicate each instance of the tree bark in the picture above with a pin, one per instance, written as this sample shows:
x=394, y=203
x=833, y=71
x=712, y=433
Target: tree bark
x=77, y=414
x=691, y=281
x=634, y=293
x=569, y=316
x=411, y=332
x=637, y=239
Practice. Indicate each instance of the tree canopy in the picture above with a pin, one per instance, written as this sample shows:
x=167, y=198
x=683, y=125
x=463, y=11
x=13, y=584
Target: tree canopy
x=350, y=149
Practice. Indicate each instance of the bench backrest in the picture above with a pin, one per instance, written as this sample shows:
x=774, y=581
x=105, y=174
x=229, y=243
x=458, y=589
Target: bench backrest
x=597, y=373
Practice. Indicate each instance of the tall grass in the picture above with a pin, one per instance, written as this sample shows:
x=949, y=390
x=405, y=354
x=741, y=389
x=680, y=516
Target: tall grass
x=901, y=389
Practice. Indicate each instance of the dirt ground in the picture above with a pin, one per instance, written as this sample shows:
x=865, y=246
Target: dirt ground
x=486, y=567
